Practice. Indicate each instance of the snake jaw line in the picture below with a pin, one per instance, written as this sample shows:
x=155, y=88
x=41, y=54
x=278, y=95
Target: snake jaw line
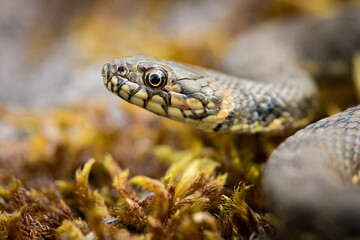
x=125, y=78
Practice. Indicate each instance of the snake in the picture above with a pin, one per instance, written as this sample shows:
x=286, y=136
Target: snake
x=309, y=182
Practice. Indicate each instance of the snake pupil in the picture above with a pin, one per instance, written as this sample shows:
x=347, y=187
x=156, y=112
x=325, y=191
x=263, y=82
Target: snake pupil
x=154, y=79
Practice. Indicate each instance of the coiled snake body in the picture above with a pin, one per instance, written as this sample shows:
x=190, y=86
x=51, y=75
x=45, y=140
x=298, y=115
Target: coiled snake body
x=308, y=182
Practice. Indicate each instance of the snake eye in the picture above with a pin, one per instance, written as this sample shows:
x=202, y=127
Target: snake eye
x=122, y=71
x=155, y=78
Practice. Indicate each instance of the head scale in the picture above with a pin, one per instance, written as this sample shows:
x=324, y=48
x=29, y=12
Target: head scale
x=177, y=91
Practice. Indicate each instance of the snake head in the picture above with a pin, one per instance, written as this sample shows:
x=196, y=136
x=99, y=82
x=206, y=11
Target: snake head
x=178, y=91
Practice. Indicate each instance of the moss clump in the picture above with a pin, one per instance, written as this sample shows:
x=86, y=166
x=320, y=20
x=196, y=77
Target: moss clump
x=31, y=214
x=142, y=185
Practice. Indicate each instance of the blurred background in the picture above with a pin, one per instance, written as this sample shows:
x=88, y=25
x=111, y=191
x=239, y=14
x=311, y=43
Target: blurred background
x=51, y=52
x=55, y=113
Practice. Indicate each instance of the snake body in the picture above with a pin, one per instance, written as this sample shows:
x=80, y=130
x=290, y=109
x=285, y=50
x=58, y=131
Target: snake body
x=309, y=182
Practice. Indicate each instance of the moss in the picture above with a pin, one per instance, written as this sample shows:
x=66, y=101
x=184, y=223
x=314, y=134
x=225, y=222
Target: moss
x=152, y=189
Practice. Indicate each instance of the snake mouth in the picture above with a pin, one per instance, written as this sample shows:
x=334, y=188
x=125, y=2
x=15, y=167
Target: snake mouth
x=170, y=104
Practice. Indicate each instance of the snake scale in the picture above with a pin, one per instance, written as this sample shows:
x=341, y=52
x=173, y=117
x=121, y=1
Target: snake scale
x=308, y=182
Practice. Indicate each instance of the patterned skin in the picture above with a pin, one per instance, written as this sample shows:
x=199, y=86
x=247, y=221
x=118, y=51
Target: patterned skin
x=310, y=182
